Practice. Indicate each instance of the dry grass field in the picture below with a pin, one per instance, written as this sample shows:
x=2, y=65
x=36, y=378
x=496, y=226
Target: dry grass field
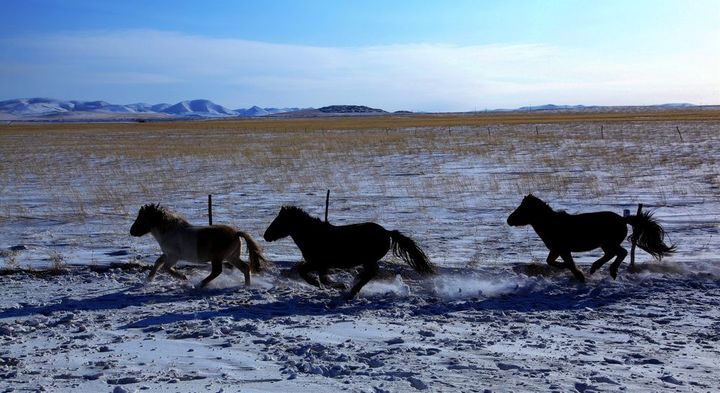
x=432, y=171
x=155, y=159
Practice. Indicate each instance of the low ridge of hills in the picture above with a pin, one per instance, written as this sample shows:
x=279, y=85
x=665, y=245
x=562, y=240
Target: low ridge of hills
x=55, y=110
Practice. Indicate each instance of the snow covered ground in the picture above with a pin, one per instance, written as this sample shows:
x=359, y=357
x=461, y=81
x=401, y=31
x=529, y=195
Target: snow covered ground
x=493, y=319
x=96, y=329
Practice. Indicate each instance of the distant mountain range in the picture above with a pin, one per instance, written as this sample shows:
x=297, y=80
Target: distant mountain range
x=45, y=109
x=551, y=107
x=49, y=108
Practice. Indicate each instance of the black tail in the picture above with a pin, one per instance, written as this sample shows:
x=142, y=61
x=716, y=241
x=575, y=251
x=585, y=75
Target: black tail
x=257, y=260
x=405, y=248
x=649, y=235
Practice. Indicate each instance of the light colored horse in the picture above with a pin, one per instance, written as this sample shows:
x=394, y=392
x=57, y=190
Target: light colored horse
x=179, y=240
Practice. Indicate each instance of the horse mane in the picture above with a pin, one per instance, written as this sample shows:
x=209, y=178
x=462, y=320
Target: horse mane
x=165, y=219
x=300, y=214
x=540, y=204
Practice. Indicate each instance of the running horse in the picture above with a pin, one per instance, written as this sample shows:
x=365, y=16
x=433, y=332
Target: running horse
x=564, y=233
x=325, y=246
x=179, y=240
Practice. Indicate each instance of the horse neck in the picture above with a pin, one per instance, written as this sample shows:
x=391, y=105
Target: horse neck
x=307, y=231
x=543, y=220
x=168, y=227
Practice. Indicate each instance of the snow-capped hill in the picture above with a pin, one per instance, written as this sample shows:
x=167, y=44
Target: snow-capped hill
x=257, y=111
x=198, y=108
x=253, y=111
x=35, y=106
x=89, y=106
x=159, y=107
x=141, y=107
x=101, y=106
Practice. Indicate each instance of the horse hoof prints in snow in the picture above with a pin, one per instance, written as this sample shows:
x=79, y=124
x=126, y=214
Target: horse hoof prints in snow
x=181, y=241
x=564, y=233
x=325, y=246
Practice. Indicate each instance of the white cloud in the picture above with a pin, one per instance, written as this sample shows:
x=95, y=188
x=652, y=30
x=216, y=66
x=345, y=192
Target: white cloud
x=442, y=77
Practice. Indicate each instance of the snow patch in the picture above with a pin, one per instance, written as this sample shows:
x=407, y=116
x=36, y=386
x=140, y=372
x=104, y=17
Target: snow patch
x=395, y=287
x=475, y=286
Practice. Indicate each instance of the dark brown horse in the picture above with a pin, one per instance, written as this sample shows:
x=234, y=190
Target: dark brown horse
x=564, y=233
x=325, y=246
x=181, y=241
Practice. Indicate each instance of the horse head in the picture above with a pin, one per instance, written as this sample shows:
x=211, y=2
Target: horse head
x=528, y=210
x=281, y=225
x=148, y=217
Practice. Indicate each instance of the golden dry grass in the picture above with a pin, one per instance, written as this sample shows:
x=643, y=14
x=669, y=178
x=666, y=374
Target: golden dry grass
x=82, y=170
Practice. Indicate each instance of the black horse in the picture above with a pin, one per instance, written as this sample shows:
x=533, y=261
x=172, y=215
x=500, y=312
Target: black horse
x=564, y=233
x=325, y=246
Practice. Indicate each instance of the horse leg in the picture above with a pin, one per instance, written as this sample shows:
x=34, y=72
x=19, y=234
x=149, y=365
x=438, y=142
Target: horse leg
x=216, y=270
x=571, y=265
x=169, y=267
x=325, y=280
x=369, y=271
x=235, y=260
x=173, y=271
x=158, y=263
x=238, y=263
x=552, y=256
x=621, y=254
x=608, y=254
x=304, y=270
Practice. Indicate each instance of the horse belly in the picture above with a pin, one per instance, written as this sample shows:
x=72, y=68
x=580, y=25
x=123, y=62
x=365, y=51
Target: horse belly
x=357, y=246
x=599, y=230
x=173, y=244
x=346, y=257
x=189, y=250
x=215, y=242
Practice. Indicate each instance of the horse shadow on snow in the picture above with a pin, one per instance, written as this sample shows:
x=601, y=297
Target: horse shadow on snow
x=564, y=294
x=560, y=294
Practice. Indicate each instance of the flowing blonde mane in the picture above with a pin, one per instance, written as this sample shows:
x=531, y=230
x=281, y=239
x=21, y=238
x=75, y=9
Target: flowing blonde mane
x=165, y=219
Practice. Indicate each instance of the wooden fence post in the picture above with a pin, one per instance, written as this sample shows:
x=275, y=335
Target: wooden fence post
x=327, y=204
x=210, y=209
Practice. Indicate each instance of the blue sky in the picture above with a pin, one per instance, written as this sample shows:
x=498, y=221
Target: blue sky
x=417, y=55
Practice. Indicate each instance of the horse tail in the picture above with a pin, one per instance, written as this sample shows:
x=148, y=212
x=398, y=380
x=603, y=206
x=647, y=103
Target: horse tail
x=649, y=235
x=405, y=248
x=257, y=260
